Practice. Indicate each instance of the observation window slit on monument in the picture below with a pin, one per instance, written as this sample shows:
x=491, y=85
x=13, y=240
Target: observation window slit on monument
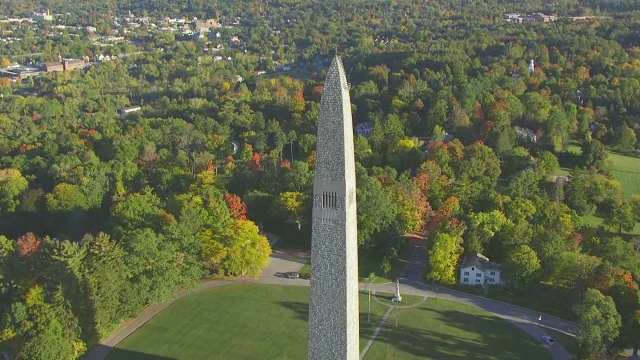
x=329, y=200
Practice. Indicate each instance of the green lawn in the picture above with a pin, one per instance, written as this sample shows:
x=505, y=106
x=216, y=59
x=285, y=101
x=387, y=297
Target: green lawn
x=440, y=329
x=270, y=322
x=234, y=322
x=546, y=298
x=595, y=221
x=626, y=170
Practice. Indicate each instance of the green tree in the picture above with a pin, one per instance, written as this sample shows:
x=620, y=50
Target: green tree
x=107, y=282
x=594, y=154
x=12, y=183
x=598, y=323
x=577, y=194
x=635, y=206
x=443, y=258
x=522, y=264
x=620, y=216
x=625, y=138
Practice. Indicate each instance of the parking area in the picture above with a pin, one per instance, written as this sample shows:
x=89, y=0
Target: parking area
x=283, y=262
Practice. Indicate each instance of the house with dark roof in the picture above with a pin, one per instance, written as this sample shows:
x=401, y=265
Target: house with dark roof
x=478, y=270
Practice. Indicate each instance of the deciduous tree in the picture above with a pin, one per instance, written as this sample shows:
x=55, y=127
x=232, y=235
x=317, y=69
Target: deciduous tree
x=443, y=258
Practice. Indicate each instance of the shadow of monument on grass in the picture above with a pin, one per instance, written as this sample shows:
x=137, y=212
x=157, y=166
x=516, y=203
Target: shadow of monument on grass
x=102, y=352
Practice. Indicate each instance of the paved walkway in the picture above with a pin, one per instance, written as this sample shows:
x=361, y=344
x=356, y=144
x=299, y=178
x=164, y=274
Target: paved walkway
x=376, y=332
x=521, y=317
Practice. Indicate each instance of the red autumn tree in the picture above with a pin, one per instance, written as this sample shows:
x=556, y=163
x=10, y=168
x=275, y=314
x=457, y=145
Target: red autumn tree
x=237, y=207
x=286, y=164
x=28, y=244
x=254, y=163
x=444, y=217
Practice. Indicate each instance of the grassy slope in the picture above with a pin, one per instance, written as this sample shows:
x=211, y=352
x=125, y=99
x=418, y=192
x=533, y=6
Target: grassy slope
x=270, y=322
x=440, y=329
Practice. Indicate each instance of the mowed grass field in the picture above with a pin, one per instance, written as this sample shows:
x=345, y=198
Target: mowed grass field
x=234, y=322
x=270, y=322
x=625, y=169
x=440, y=329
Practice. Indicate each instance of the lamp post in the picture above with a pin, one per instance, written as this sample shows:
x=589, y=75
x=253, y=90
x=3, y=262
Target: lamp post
x=397, y=310
x=371, y=277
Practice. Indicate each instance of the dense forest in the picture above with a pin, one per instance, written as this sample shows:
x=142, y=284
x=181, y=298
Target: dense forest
x=102, y=214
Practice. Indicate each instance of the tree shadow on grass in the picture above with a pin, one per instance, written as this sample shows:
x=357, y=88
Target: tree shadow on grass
x=505, y=343
x=109, y=353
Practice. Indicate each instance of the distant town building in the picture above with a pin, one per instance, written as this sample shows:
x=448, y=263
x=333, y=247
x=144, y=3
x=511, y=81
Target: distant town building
x=130, y=109
x=53, y=66
x=43, y=16
x=18, y=73
x=535, y=17
x=206, y=25
x=532, y=67
x=478, y=270
x=73, y=64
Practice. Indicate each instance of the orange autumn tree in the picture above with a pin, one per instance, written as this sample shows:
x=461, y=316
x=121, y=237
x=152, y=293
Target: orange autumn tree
x=28, y=244
x=237, y=207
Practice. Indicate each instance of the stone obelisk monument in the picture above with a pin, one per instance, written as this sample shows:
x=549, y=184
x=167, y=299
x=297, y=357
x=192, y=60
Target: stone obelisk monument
x=333, y=308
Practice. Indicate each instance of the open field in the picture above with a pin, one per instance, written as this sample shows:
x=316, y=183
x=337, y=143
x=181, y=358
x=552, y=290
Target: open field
x=440, y=329
x=270, y=322
x=595, y=221
x=234, y=322
x=625, y=169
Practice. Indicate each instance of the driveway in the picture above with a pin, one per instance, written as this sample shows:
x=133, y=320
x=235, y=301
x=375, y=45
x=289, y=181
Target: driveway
x=283, y=262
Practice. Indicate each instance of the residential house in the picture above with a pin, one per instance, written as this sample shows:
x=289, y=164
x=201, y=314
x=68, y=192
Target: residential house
x=478, y=270
x=525, y=134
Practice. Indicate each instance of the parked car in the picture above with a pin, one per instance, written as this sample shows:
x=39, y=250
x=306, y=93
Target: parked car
x=548, y=339
x=293, y=275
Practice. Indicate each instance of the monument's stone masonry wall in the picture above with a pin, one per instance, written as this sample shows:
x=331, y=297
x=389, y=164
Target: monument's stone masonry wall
x=333, y=307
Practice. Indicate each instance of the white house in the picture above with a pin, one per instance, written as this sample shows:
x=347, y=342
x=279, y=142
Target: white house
x=478, y=270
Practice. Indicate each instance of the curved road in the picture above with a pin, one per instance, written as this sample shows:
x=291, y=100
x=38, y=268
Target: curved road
x=525, y=319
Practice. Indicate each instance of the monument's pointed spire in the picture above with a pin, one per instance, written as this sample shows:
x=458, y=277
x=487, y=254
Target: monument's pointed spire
x=335, y=129
x=333, y=307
